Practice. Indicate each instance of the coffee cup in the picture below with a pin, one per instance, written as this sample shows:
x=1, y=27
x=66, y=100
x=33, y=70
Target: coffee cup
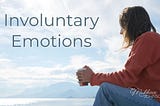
x=82, y=83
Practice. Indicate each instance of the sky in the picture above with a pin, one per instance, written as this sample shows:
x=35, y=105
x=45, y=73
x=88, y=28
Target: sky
x=22, y=68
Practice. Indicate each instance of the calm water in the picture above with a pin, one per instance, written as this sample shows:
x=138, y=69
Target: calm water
x=46, y=102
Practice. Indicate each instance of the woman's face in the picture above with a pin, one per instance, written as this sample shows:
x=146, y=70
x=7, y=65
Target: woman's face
x=123, y=22
x=122, y=31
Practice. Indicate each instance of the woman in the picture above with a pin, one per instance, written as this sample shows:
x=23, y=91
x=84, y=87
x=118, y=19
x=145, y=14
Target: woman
x=138, y=84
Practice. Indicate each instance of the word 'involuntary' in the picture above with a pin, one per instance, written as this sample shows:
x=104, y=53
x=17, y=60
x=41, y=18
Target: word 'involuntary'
x=42, y=20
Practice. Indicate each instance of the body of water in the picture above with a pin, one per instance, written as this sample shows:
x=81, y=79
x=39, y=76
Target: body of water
x=46, y=101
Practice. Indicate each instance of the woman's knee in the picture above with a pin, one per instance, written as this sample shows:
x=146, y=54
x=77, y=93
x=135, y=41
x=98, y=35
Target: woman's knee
x=109, y=88
x=106, y=85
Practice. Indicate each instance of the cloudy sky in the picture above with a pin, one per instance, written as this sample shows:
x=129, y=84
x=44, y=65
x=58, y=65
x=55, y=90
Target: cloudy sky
x=39, y=66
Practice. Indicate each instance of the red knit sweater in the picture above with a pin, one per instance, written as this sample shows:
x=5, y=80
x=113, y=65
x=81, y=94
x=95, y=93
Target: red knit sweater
x=142, y=69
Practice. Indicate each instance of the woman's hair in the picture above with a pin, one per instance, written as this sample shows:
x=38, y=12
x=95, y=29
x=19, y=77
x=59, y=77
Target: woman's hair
x=135, y=21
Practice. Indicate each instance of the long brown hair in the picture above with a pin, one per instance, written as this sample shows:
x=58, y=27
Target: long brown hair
x=135, y=21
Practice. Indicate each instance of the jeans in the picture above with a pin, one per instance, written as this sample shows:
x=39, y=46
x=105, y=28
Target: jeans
x=113, y=95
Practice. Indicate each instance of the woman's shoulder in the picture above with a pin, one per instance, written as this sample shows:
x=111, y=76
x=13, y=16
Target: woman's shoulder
x=149, y=36
x=148, y=42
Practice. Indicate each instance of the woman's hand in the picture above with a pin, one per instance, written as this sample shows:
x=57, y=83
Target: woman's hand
x=84, y=75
